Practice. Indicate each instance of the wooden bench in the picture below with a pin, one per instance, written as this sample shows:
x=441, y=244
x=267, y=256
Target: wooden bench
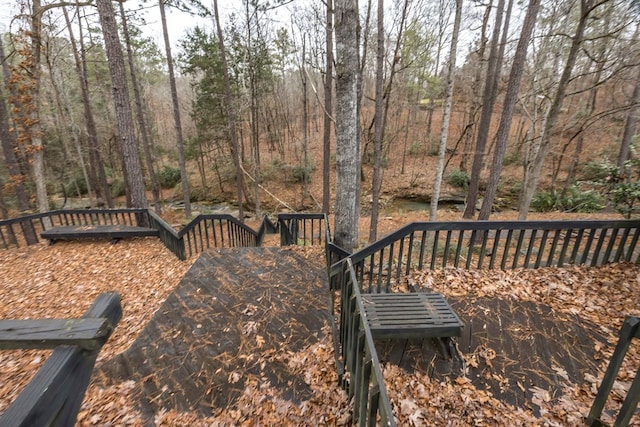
x=113, y=232
x=410, y=315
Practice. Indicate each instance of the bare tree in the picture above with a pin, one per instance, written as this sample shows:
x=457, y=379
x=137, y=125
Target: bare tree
x=347, y=211
x=328, y=109
x=630, y=124
x=446, y=115
x=513, y=87
x=228, y=96
x=378, y=120
x=142, y=125
x=488, y=101
x=7, y=137
x=533, y=170
x=95, y=158
x=184, y=177
x=124, y=116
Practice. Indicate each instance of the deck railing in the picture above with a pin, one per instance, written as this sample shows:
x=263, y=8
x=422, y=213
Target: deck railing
x=357, y=363
x=357, y=354
x=55, y=394
x=206, y=231
x=303, y=229
x=25, y=230
x=494, y=244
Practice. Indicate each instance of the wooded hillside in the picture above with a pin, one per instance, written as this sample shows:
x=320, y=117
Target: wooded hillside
x=539, y=102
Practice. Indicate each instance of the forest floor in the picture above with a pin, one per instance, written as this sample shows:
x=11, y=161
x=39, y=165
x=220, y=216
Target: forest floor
x=62, y=280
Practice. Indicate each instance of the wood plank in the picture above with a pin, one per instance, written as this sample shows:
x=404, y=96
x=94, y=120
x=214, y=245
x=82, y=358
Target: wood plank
x=86, y=333
x=97, y=231
x=54, y=395
x=410, y=315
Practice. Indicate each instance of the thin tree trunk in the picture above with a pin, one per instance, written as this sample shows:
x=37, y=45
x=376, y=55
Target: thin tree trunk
x=513, y=86
x=95, y=156
x=228, y=96
x=122, y=103
x=63, y=116
x=539, y=155
x=184, y=177
x=305, y=125
x=35, y=129
x=146, y=141
x=488, y=101
x=378, y=129
x=446, y=115
x=347, y=153
x=7, y=137
x=630, y=124
x=328, y=110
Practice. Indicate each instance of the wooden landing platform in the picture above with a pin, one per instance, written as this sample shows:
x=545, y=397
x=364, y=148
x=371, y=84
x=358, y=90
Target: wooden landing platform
x=113, y=232
x=514, y=346
x=219, y=330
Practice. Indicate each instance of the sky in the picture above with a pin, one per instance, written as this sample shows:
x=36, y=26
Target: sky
x=178, y=22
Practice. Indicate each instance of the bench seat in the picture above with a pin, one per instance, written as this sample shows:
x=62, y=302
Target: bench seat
x=113, y=232
x=410, y=315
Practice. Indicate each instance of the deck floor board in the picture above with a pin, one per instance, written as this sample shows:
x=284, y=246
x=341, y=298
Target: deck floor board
x=207, y=329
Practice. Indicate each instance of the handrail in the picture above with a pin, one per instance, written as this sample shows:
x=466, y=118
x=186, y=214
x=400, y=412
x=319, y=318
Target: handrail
x=192, y=238
x=168, y=235
x=495, y=244
x=303, y=228
x=31, y=225
x=55, y=394
x=358, y=355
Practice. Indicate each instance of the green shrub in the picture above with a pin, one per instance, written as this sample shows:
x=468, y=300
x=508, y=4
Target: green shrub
x=77, y=187
x=623, y=188
x=544, y=201
x=597, y=171
x=301, y=174
x=168, y=176
x=573, y=199
x=458, y=178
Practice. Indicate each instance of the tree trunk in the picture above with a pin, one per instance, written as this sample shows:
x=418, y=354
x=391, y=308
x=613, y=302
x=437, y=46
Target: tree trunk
x=488, y=101
x=378, y=128
x=305, y=124
x=470, y=128
x=146, y=141
x=228, y=96
x=95, y=155
x=533, y=174
x=124, y=116
x=184, y=177
x=7, y=137
x=328, y=110
x=446, y=115
x=347, y=153
x=35, y=130
x=513, y=86
x=630, y=124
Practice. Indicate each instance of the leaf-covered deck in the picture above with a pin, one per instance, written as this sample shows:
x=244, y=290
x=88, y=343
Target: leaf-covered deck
x=233, y=309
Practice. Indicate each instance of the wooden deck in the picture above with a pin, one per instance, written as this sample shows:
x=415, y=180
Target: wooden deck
x=516, y=345
x=233, y=308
